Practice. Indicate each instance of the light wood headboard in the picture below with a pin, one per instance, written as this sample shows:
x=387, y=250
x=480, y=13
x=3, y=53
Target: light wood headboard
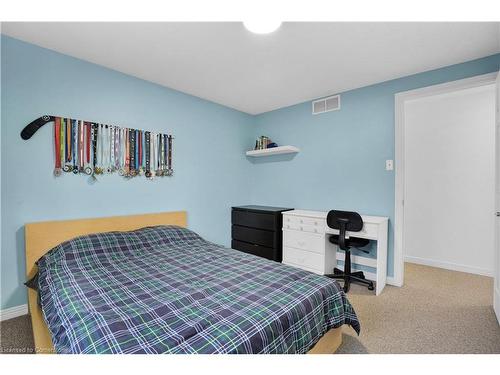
x=41, y=237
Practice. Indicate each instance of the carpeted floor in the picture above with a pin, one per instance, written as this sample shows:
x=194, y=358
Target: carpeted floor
x=436, y=311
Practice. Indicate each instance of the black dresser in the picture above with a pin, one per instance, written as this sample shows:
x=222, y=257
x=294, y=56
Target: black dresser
x=257, y=230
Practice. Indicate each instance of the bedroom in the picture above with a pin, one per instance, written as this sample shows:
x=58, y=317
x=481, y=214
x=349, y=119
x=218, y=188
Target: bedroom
x=174, y=123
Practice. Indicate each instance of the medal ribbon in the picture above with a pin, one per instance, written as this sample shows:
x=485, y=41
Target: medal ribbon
x=81, y=147
x=88, y=141
x=57, y=143
x=170, y=154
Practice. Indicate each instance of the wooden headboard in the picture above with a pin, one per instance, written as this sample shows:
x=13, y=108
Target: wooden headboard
x=43, y=236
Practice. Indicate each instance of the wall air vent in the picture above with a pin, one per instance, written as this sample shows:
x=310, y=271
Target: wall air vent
x=332, y=103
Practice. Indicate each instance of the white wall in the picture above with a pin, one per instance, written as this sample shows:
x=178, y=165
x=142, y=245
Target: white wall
x=449, y=180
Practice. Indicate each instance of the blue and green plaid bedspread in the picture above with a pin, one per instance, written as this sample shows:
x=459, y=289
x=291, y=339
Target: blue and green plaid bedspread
x=166, y=290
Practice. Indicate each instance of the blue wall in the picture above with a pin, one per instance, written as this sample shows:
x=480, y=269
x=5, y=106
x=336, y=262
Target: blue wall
x=209, y=162
x=341, y=163
x=342, y=156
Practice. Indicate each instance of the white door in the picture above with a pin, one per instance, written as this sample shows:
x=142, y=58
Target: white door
x=496, y=289
x=450, y=180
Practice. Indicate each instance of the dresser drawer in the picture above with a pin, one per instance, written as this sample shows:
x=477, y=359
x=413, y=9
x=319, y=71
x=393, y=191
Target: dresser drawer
x=262, y=251
x=304, y=240
x=306, y=259
x=255, y=236
x=254, y=220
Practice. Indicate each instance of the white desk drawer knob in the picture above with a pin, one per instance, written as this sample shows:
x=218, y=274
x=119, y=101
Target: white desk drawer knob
x=301, y=228
x=315, y=230
x=288, y=226
x=315, y=223
x=301, y=221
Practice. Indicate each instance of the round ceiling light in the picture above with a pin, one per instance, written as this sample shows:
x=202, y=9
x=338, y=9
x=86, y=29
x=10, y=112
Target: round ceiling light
x=262, y=26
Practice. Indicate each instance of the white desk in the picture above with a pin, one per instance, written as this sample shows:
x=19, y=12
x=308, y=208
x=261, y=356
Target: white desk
x=306, y=244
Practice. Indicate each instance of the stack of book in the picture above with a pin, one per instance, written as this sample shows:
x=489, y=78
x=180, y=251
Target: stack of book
x=262, y=142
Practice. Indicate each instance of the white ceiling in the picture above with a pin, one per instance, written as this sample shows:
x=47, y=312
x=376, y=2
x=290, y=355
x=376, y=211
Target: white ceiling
x=226, y=64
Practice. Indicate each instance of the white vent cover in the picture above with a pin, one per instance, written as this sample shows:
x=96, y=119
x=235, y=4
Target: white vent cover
x=332, y=103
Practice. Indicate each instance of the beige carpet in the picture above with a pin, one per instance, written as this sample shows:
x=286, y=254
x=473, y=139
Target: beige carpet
x=437, y=311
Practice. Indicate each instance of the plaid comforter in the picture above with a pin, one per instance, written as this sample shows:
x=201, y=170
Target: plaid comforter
x=166, y=290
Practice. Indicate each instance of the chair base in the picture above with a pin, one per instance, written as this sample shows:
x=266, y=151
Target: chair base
x=351, y=277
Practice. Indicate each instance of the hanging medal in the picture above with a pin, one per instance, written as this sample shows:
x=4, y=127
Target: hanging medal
x=136, y=152
x=168, y=144
x=132, y=152
x=74, y=146
x=57, y=147
x=62, y=143
x=166, y=155
x=98, y=149
x=154, y=154
x=88, y=147
x=139, y=142
x=147, y=141
x=81, y=147
x=170, y=170
x=116, y=147
x=158, y=155
x=93, y=140
x=107, y=150
x=112, y=149
x=67, y=142
x=121, y=171
x=109, y=165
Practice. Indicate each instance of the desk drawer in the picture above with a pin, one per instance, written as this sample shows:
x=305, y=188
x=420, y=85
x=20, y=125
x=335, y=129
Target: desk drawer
x=305, y=241
x=255, y=236
x=302, y=220
x=253, y=219
x=369, y=230
x=307, y=259
x=303, y=228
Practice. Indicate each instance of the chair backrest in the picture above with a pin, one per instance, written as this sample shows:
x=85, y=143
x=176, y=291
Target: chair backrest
x=351, y=220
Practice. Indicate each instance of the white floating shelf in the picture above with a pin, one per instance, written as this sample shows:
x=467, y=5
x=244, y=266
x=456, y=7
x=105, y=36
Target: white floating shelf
x=273, y=151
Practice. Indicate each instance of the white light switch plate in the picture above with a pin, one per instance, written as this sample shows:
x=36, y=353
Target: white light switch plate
x=389, y=165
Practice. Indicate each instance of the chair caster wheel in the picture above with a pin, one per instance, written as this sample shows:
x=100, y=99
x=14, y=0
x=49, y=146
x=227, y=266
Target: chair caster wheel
x=370, y=287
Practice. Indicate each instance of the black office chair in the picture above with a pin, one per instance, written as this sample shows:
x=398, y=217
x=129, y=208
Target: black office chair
x=347, y=221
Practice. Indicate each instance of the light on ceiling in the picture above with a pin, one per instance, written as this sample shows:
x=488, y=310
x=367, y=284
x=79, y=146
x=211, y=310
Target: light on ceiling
x=262, y=26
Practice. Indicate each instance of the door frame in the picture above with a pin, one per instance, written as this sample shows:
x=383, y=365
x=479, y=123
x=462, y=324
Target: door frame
x=399, y=140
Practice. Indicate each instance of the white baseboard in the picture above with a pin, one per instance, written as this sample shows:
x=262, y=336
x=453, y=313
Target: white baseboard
x=496, y=303
x=13, y=312
x=449, y=266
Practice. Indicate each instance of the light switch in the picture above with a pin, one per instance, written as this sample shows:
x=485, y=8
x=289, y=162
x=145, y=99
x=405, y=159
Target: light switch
x=389, y=165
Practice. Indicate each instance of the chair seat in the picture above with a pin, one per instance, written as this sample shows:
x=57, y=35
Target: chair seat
x=351, y=241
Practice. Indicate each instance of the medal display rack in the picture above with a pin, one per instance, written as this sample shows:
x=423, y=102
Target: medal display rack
x=90, y=148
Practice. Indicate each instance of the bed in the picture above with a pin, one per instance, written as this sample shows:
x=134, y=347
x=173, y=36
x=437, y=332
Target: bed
x=146, y=284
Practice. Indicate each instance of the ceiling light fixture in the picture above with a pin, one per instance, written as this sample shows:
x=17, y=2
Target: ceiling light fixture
x=262, y=26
